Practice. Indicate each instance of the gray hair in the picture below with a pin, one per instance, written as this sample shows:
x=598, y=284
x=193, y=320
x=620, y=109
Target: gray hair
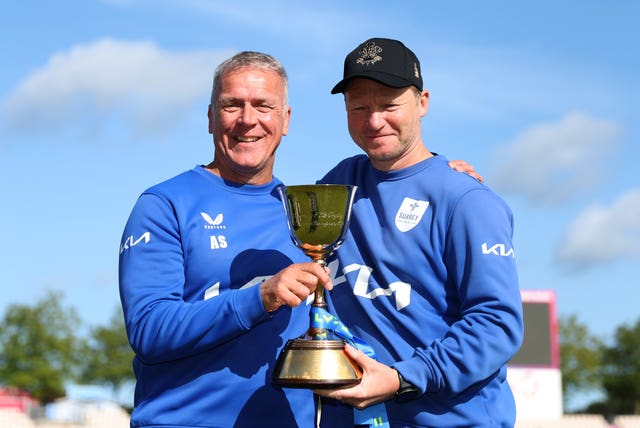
x=251, y=60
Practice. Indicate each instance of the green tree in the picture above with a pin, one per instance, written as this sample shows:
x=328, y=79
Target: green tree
x=39, y=348
x=109, y=355
x=580, y=356
x=621, y=371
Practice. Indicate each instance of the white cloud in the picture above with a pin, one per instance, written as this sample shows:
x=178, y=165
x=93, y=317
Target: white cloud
x=551, y=162
x=149, y=88
x=600, y=234
x=317, y=25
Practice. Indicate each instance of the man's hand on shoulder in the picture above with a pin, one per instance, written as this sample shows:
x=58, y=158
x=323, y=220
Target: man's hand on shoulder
x=463, y=166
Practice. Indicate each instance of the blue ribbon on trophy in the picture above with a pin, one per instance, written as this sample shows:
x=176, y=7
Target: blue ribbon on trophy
x=321, y=319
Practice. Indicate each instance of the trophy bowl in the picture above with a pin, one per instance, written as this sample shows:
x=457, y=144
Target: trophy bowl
x=318, y=218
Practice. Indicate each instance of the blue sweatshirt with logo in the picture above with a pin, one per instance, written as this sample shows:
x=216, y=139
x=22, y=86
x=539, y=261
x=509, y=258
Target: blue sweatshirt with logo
x=193, y=253
x=427, y=276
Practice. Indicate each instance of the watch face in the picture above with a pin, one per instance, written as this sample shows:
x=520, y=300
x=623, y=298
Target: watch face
x=408, y=394
x=407, y=391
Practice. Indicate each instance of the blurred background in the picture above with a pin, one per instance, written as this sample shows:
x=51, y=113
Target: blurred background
x=101, y=99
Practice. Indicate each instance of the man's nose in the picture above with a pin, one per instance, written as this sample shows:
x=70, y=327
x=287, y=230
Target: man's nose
x=249, y=115
x=375, y=120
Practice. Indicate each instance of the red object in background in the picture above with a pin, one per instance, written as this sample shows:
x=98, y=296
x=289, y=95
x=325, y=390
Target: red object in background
x=14, y=398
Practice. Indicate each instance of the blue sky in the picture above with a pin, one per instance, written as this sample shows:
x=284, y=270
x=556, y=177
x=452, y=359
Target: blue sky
x=101, y=99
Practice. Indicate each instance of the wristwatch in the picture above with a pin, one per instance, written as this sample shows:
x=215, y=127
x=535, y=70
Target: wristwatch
x=407, y=391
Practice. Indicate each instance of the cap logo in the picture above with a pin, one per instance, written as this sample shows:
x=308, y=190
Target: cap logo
x=416, y=73
x=369, y=54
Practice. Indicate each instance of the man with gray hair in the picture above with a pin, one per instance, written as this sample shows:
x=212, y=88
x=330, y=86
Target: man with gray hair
x=210, y=282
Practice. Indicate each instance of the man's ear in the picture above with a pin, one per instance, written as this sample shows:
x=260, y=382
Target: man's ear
x=287, y=117
x=424, y=103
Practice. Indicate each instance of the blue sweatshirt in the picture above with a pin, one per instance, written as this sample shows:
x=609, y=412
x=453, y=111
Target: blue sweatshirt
x=193, y=253
x=427, y=276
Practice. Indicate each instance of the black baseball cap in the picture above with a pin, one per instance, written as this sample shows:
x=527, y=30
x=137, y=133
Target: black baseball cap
x=386, y=61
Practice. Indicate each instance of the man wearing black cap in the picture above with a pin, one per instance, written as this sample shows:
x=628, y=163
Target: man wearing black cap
x=427, y=274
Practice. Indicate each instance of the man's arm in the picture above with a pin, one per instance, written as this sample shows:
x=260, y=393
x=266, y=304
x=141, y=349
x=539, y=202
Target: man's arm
x=490, y=328
x=160, y=324
x=481, y=265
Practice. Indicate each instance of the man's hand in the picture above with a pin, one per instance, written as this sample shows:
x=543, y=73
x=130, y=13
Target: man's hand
x=463, y=166
x=379, y=383
x=293, y=284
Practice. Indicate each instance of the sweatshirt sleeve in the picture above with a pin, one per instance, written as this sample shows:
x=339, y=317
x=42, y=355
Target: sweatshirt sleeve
x=480, y=263
x=160, y=323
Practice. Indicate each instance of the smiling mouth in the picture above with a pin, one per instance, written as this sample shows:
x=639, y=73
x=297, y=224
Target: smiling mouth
x=247, y=139
x=376, y=138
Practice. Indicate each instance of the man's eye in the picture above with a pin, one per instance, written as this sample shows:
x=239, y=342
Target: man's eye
x=264, y=108
x=230, y=108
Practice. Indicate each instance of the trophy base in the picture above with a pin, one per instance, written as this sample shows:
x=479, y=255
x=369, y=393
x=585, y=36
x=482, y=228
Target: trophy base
x=315, y=364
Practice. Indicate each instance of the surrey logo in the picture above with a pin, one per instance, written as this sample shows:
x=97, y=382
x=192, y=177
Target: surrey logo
x=369, y=54
x=410, y=213
x=213, y=223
